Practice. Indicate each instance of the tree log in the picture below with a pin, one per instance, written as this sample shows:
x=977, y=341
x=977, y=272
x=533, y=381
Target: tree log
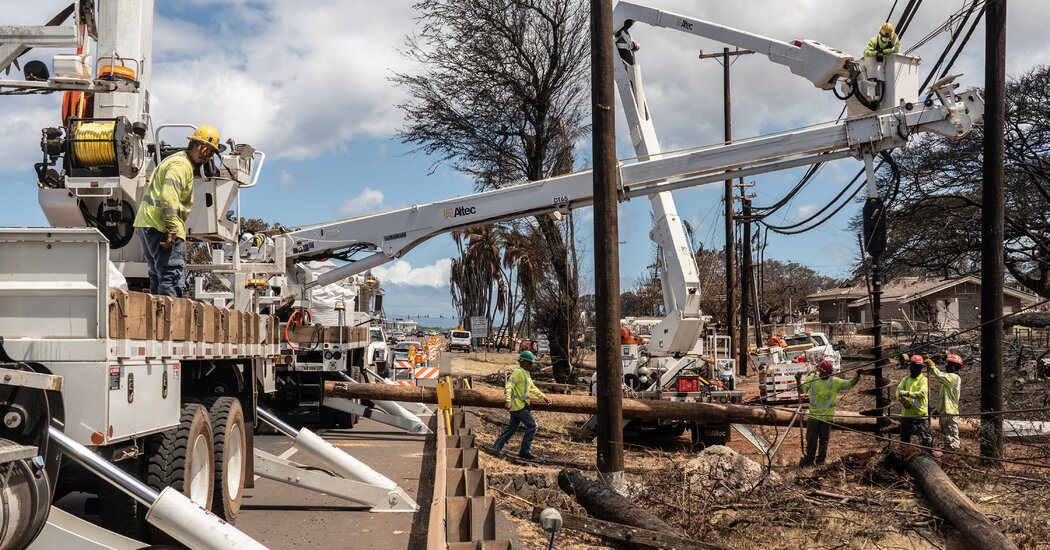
x=630, y=534
x=974, y=526
x=642, y=409
x=603, y=503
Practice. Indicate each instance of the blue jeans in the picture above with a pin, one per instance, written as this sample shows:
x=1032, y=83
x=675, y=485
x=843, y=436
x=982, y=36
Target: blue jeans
x=910, y=425
x=523, y=416
x=167, y=268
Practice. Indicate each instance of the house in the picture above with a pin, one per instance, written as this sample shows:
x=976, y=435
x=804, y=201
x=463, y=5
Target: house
x=916, y=302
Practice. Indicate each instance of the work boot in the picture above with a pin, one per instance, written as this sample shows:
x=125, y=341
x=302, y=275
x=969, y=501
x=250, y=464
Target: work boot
x=495, y=452
x=527, y=455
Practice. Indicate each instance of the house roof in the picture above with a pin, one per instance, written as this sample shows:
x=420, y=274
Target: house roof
x=907, y=289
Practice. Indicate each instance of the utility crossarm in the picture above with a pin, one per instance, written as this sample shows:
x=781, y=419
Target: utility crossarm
x=392, y=234
x=820, y=64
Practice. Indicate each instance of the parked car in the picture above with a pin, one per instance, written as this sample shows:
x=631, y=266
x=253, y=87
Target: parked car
x=459, y=339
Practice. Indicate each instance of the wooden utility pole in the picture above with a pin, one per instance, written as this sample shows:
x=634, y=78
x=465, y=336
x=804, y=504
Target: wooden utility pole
x=730, y=257
x=606, y=248
x=745, y=280
x=992, y=270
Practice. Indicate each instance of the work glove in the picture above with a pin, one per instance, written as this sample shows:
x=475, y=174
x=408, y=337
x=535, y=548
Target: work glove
x=169, y=241
x=878, y=57
x=929, y=363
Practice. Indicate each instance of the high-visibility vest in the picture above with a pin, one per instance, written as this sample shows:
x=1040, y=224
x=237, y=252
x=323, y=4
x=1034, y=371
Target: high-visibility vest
x=917, y=392
x=951, y=387
x=876, y=47
x=519, y=386
x=169, y=196
x=823, y=394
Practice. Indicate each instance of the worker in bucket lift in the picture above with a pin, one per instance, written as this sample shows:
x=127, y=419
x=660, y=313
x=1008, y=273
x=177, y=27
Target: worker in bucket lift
x=167, y=203
x=914, y=394
x=948, y=403
x=884, y=43
x=823, y=393
x=517, y=390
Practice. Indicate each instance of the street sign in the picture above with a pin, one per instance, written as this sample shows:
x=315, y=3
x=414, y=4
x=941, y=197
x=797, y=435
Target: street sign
x=479, y=327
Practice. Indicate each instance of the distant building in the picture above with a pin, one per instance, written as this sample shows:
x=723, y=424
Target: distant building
x=403, y=325
x=916, y=302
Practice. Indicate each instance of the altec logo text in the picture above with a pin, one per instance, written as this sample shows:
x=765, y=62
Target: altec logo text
x=460, y=211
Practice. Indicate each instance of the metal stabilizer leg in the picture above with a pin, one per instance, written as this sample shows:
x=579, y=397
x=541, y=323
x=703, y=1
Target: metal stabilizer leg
x=396, y=415
x=170, y=510
x=405, y=420
x=418, y=409
x=339, y=463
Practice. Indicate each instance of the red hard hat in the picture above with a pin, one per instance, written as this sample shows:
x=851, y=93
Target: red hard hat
x=825, y=367
x=955, y=359
x=916, y=359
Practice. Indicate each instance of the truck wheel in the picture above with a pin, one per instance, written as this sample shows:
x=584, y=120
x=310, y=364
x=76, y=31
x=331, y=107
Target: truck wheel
x=182, y=458
x=231, y=455
x=331, y=418
x=120, y=513
x=707, y=435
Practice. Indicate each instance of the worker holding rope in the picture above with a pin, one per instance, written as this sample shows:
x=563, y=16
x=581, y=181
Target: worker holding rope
x=167, y=203
x=914, y=394
x=823, y=393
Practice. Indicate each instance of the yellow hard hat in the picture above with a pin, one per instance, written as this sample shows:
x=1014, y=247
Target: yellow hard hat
x=886, y=29
x=206, y=134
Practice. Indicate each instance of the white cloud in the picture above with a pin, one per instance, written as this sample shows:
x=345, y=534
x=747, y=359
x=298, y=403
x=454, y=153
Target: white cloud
x=290, y=180
x=401, y=272
x=368, y=201
x=806, y=210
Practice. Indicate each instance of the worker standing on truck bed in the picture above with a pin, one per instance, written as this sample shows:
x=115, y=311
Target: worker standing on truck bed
x=884, y=43
x=823, y=393
x=914, y=394
x=518, y=388
x=948, y=403
x=167, y=203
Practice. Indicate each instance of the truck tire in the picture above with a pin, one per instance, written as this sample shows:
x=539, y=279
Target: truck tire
x=231, y=455
x=331, y=418
x=183, y=458
x=120, y=513
x=706, y=436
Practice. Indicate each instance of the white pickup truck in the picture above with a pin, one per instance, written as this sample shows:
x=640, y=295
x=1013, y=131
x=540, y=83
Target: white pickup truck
x=820, y=348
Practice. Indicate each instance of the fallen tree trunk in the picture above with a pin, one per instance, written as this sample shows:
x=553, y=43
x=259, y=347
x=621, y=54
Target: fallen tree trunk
x=642, y=409
x=630, y=534
x=603, y=503
x=974, y=526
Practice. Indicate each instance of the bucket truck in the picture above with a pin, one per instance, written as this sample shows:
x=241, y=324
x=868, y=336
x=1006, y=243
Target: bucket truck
x=119, y=386
x=150, y=402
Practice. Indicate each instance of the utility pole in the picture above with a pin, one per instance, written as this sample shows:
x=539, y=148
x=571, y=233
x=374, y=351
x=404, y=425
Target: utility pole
x=992, y=270
x=606, y=249
x=745, y=280
x=741, y=360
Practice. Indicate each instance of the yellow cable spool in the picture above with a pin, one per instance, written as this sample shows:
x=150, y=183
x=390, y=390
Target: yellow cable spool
x=93, y=143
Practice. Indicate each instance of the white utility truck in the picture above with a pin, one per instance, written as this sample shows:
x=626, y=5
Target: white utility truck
x=82, y=380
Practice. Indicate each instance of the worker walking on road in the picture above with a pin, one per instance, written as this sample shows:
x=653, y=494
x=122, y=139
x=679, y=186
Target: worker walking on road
x=167, y=203
x=884, y=43
x=517, y=390
x=914, y=394
x=823, y=393
x=948, y=402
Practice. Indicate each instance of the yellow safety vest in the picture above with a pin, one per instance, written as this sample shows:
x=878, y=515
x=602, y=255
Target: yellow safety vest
x=951, y=386
x=875, y=47
x=823, y=394
x=169, y=196
x=519, y=386
x=916, y=391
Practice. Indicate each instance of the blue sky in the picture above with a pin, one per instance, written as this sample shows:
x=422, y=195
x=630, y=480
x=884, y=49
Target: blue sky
x=308, y=84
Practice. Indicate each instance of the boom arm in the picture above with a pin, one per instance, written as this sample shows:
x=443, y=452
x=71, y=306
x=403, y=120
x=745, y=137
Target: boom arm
x=820, y=64
x=391, y=234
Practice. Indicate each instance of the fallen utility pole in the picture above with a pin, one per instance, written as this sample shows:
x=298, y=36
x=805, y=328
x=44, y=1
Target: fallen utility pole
x=974, y=526
x=647, y=409
x=604, y=503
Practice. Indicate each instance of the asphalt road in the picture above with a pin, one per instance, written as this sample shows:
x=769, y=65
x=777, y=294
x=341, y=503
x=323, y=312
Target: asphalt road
x=283, y=516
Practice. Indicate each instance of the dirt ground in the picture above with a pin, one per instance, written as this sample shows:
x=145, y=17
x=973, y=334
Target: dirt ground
x=868, y=506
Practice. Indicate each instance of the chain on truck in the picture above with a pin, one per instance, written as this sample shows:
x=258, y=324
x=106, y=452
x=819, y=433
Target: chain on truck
x=150, y=401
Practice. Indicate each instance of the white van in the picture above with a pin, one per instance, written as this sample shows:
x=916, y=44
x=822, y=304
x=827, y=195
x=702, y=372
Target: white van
x=459, y=339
